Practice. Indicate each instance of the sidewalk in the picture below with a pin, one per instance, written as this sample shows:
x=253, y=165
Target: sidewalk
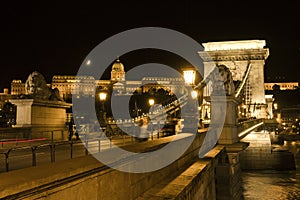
x=92, y=136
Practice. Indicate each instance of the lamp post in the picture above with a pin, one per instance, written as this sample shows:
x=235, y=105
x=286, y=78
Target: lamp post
x=277, y=113
x=206, y=113
x=189, y=75
x=151, y=103
x=194, y=94
x=244, y=110
x=102, y=97
x=136, y=109
x=275, y=106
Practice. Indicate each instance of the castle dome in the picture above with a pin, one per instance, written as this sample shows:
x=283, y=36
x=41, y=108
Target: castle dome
x=118, y=66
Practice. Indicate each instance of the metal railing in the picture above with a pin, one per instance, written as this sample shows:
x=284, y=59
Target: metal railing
x=52, y=147
x=95, y=140
x=19, y=139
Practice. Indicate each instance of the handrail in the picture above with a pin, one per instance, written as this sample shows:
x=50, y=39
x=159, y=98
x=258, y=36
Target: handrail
x=85, y=140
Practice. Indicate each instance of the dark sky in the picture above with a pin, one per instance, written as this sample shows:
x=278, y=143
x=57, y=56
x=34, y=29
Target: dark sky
x=54, y=37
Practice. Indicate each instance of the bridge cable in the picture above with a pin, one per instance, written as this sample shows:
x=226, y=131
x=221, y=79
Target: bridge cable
x=241, y=86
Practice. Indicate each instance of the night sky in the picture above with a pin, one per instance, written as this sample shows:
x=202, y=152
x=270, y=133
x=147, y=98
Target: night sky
x=54, y=37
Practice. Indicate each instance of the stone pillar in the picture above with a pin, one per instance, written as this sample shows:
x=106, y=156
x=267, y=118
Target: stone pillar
x=190, y=114
x=23, y=118
x=43, y=117
x=32, y=112
x=256, y=80
x=229, y=134
x=269, y=102
x=228, y=178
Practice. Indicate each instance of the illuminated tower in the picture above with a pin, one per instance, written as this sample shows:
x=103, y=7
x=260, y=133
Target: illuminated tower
x=117, y=71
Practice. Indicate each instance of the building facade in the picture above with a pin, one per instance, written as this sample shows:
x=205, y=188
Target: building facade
x=282, y=85
x=117, y=71
x=17, y=87
x=73, y=85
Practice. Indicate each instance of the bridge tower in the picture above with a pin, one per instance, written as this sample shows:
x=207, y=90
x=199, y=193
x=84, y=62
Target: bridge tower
x=237, y=55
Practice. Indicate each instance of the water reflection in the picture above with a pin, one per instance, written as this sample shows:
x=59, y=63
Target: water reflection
x=271, y=184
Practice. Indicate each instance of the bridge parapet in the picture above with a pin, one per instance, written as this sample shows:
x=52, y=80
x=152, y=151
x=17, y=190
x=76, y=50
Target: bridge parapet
x=247, y=124
x=246, y=127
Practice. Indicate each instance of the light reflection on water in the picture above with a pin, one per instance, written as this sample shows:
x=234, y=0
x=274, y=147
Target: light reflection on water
x=272, y=184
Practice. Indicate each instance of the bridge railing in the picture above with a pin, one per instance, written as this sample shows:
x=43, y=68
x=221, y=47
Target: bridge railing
x=247, y=126
x=161, y=110
x=90, y=142
x=20, y=139
x=48, y=148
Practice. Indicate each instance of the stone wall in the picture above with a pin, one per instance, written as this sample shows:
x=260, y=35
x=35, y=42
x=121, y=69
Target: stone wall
x=41, y=118
x=15, y=133
x=24, y=133
x=198, y=181
x=33, y=112
x=260, y=155
x=228, y=180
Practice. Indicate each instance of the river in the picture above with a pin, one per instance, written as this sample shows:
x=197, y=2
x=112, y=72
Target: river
x=272, y=184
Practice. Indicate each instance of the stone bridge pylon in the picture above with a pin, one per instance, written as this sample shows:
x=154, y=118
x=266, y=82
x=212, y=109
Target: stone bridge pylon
x=239, y=56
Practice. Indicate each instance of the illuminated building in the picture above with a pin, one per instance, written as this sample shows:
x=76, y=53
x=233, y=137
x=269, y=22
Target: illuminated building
x=282, y=85
x=17, y=87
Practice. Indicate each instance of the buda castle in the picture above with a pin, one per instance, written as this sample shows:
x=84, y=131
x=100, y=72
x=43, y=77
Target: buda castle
x=69, y=85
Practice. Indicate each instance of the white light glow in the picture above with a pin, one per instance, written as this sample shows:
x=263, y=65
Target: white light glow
x=189, y=76
x=102, y=96
x=151, y=102
x=194, y=94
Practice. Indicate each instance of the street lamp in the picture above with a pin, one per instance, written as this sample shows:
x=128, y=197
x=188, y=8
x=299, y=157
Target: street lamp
x=275, y=106
x=151, y=102
x=189, y=76
x=206, y=113
x=191, y=116
x=102, y=97
x=194, y=94
x=277, y=112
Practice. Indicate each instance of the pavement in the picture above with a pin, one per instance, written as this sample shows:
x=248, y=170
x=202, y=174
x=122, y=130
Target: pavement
x=20, y=151
x=93, y=136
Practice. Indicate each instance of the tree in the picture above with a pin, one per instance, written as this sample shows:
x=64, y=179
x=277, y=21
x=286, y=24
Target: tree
x=8, y=115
